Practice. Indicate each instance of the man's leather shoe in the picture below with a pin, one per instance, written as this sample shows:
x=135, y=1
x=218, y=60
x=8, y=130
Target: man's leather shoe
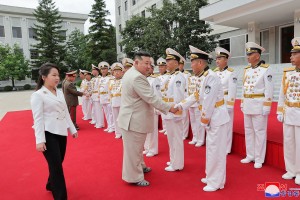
x=257, y=165
x=246, y=160
x=297, y=180
x=288, y=176
x=204, y=180
x=211, y=189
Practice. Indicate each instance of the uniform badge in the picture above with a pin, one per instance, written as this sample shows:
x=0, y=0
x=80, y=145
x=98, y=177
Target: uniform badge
x=178, y=83
x=234, y=79
x=207, y=89
x=269, y=78
x=157, y=87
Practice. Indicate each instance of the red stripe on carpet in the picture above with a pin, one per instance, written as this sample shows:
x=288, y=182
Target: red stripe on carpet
x=93, y=168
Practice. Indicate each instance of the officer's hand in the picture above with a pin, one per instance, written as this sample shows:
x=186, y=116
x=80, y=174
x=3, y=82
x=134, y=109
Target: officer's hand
x=266, y=112
x=173, y=109
x=41, y=147
x=75, y=135
x=280, y=117
x=242, y=109
x=178, y=106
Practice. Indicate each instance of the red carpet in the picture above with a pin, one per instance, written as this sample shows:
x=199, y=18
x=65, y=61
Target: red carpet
x=93, y=168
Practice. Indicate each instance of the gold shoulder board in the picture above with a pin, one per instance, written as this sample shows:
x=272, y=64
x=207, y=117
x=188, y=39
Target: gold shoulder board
x=230, y=69
x=288, y=69
x=216, y=69
x=205, y=73
x=247, y=67
x=265, y=65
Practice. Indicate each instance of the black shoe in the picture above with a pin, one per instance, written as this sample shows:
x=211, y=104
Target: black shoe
x=77, y=128
x=48, y=187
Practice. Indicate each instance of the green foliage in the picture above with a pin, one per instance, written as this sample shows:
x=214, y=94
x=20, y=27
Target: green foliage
x=78, y=83
x=102, y=39
x=49, y=35
x=13, y=64
x=27, y=87
x=8, y=88
x=175, y=25
x=77, y=56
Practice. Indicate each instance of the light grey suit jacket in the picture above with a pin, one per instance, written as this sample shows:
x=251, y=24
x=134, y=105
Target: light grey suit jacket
x=137, y=102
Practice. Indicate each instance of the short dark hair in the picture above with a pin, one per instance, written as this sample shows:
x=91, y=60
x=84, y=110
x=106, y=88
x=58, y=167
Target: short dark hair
x=44, y=71
x=139, y=54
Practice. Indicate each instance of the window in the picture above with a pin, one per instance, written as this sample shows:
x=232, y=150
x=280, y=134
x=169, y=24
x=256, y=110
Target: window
x=225, y=44
x=34, y=54
x=17, y=33
x=125, y=5
x=32, y=33
x=153, y=6
x=2, y=32
x=120, y=28
x=133, y=2
x=64, y=34
x=119, y=10
x=143, y=13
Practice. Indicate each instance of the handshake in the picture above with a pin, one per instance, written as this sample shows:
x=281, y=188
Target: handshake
x=175, y=108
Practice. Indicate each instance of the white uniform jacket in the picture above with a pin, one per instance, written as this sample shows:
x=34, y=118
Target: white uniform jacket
x=257, y=93
x=95, y=86
x=229, y=83
x=289, y=97
x=115, y=88
x=50, y=113
x=154, y=82
x=103, y=89
x=174, y=92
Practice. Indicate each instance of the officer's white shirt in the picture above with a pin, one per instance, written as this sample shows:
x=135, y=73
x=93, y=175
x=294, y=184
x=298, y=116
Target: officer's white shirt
x=103, y=89
x=258, y=80
x=115, y=89
x=50, y=113
x=229, y=83
x=82, y=85
x=163, y=80
x=290, y=93
x=186, y=75
x=174, y=89
x=154, y=82
x=95, y=86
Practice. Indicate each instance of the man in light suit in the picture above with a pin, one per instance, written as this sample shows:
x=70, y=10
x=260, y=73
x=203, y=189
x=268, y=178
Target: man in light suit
x=136, y=118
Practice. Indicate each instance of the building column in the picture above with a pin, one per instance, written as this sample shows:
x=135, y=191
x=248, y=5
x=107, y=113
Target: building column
x=253, y=32
x=297, y=23
x=272, y=47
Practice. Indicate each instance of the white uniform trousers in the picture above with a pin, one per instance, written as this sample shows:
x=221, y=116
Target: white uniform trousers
x=197, y=129
x=87, y=108
x=256, y=136
x=174, y=129
x=98, y=114
x=115, y=112
x=216, y=156
x=109, y=116
x=230, y=131
x=186, y=124
x=163, y=124
x=133, y=160
x=151, y=143
x=291, y=145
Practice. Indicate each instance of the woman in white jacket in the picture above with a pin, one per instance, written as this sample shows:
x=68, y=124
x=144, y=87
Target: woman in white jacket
x=51, y=121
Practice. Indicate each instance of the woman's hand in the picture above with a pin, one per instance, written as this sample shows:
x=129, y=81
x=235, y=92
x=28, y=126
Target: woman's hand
x=75, y=135
x=41, y=147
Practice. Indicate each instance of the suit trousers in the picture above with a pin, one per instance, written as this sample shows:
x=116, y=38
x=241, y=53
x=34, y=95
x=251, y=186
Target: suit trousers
x=55, y=153
x=256, y=136
x=216, y=144
x=291, y=145
x=115, y=112
x=133, y=160
x=186, y=124
x=175, y=129
x=72, y=111
x=230, y=132
x=151, y=143
x=87, y=108
x=109, y=116
x=197, y=129
x=98, y=114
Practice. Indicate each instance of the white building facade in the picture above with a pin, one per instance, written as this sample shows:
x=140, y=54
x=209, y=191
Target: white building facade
x=16, y=27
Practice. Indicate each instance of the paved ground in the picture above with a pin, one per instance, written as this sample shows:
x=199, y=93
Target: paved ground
x=14, y=101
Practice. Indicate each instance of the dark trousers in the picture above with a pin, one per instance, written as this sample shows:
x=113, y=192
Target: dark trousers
x=55, y=154
x=72, y=111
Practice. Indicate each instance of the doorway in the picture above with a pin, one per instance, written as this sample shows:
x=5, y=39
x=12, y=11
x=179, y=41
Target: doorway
x=287, y=34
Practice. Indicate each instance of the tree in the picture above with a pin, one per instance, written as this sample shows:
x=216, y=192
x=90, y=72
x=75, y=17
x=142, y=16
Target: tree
x=102, y=41
x=13, y=64
x=77, y=56
x=175, y=25
x=49, y=35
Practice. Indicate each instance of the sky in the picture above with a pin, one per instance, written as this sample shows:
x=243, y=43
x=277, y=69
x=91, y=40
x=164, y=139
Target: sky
x=75, y=6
